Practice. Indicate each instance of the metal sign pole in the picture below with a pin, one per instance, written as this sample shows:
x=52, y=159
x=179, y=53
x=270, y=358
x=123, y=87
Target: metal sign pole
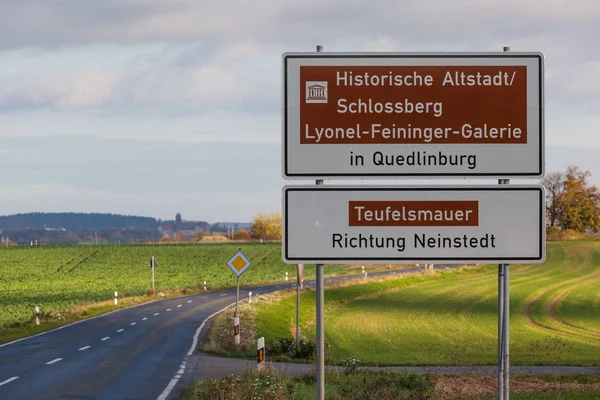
x=500, y=329
x=503, y=318
x=505, y=340
x=237, y=296
x=298, y=314
x=320, y=316
x=153, y=264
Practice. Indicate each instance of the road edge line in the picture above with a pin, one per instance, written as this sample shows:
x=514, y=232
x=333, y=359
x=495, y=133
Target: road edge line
x=173, y=382
x=80, y=321
x=197, y=334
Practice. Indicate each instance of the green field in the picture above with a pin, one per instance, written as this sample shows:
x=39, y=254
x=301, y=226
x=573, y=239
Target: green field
x=59, y=278
x=451, y=318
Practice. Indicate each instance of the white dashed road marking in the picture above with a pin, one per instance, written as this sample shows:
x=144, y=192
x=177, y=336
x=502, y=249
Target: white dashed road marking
x=189, y=301
x=168, y=309
x=224, y=294
x=156, y=313
x=53, y=361
x=9, y=380
x=133, y=323
x=106, y=338
x=84, y=348
x=179, y=305
x=145, y=318
x=120, y=330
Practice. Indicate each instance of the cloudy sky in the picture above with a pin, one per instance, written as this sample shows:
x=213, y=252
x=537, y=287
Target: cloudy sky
x=152, y=107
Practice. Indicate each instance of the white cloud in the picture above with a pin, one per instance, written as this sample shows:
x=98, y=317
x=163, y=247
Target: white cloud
x=241, y=127
x=77, y=88
x=52, y=23
x=587, y=79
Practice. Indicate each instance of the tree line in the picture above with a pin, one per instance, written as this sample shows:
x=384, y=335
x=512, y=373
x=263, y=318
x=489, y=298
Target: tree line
x=76, y=221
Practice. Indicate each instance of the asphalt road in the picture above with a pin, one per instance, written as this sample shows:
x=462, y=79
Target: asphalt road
x=139, y=353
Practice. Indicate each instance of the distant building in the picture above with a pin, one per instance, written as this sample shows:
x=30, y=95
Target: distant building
x=182, y=227
x=231, y=226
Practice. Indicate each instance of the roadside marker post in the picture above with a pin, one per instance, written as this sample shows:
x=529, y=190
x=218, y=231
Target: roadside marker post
x=37, y=315
x=238, y=263
x=152, y=264
x=205, y=286
x=236, y=330
x=260, y=354
x=396, y=116
x=250, y=297
x=116, y=298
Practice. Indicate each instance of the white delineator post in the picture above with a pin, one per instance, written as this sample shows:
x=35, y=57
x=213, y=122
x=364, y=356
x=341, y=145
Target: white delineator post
x=204, y=285
x=236, y=330
x=286, y=276
x=260, y=354
x=37, y=315
x=153, y=262
x=250, y=297
x=116, y=298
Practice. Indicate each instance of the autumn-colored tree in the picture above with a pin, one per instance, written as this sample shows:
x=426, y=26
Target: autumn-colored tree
x=242, y=234
x=267, y=227
x=573, y=203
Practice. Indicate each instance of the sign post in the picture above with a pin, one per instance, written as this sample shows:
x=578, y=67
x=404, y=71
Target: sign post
x=414, y=115
x=152, y=264
x=238, y=264
x=300, y=270
x=503, y=319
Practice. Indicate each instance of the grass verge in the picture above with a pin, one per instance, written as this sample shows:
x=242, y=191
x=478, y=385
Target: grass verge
x=369, y=385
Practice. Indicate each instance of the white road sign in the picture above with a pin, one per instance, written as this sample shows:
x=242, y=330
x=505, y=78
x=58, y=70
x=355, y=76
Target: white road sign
x=402, y=115
x=239, y=263
x=395, y=224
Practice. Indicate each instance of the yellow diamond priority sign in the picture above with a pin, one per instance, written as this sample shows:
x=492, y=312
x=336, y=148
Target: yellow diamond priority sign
x=239, y=263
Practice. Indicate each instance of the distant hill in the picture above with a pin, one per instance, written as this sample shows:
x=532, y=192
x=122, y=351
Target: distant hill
x=76, y=221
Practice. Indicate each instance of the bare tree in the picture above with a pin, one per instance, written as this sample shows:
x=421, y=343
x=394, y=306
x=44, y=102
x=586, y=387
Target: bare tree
x=554, y=184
